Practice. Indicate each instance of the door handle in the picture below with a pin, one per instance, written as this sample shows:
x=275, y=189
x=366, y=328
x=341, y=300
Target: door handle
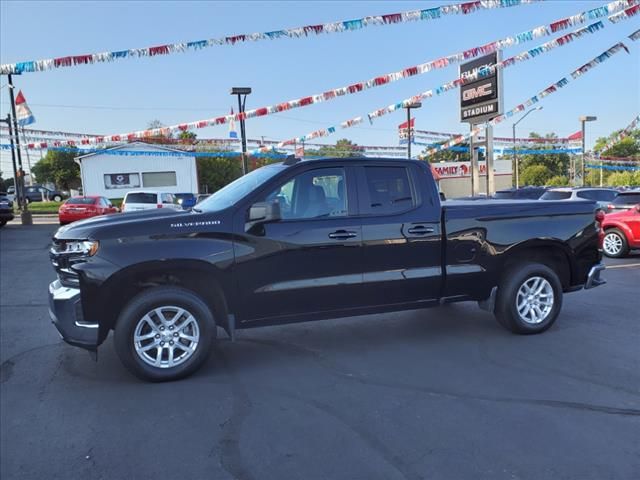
x=342, y=235
x=420, y=230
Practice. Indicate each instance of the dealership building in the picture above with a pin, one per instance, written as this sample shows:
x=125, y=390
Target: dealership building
x=455, y=177
x=137, y=166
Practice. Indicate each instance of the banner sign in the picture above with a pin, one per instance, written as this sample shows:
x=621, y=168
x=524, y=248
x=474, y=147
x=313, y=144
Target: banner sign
x=463, y=169
x=481, y=98
x=23, y=112
x=298, y=32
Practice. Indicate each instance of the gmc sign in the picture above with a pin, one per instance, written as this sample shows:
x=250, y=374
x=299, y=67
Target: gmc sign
x=481, y=99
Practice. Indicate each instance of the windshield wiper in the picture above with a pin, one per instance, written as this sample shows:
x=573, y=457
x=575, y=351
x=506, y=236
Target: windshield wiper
x=197, y=210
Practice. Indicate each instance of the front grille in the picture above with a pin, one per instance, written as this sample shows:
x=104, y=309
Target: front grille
x=63, y=263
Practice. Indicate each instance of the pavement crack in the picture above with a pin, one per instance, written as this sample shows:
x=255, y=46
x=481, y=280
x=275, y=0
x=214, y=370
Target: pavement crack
x=228, y=448
x=322, y=361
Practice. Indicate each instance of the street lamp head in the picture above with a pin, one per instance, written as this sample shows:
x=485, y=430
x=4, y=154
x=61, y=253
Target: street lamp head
x=414, y=105
x=588, y=119
x=240, y=91
x=539, y=107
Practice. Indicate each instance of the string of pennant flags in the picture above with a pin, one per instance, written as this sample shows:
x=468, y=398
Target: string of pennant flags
x=626, y=130
x=430, y=14
x=554, y=87
x=483, y=71
x=627, y=8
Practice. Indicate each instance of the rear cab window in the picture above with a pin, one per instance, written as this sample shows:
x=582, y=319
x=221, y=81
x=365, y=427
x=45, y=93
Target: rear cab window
x=387, y=190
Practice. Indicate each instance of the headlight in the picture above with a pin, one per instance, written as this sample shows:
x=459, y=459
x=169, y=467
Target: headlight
x=78, y=247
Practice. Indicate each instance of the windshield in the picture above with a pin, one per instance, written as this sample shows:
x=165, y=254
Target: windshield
x=556, y=195
x=236, y=190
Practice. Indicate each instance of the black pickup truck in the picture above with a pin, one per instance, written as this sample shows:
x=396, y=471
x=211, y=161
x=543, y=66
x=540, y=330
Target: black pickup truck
x=311, y=239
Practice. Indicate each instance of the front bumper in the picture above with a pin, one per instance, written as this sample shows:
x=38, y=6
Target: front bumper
x=65, y=309
x=593, y=279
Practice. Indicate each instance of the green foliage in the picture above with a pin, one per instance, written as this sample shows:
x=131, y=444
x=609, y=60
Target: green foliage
x=215, y=172
x=342, y=148
x=187, y=135
x=535, y=175
x=558, y=181
x=59, y=168
x=621, y=179
x=627, y=147
x=557, y=164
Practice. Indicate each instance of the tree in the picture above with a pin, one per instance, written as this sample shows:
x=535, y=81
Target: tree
x=557, y=164
x=159, y=137
x=188, y=136
x=558, y=181
x=621, y=179
x=216, y=172
x=59, y=168
x=342, y=148
x=627, y=147
x=535, y=175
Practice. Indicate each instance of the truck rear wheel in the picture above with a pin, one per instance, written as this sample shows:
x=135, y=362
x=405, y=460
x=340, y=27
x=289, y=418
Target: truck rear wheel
x=164, y=333
x=529, y=298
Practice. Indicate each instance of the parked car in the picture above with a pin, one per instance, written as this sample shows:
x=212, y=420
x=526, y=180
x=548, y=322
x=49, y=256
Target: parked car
x=6, y=209
x=79, y=208
x=311, y=239
x=624, y=201
x=602, y=196
x=621, y=232
x=38, y=193
x=186, y=200
x=523, y=193
x=149, y=200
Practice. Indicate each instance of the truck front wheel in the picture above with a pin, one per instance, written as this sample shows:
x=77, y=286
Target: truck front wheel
x=164, y=333
x=529, y=298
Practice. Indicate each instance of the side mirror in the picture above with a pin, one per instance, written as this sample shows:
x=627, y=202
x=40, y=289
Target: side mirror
x=263, y=212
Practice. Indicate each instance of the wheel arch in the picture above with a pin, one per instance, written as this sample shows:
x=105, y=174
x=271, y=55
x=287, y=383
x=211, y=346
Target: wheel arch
x=552, y=253
x=202, y=278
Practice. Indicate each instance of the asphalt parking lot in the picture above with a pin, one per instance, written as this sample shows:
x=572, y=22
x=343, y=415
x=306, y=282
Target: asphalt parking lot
x=435, y=394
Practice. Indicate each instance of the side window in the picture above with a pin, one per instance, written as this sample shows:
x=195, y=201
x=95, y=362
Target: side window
x=388, y=190
x=314, y=194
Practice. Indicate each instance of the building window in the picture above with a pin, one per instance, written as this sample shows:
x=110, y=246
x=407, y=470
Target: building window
x=121, y=180
x=159, y=179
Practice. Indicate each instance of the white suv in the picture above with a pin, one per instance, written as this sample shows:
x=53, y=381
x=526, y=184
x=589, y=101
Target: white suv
x=145, y=200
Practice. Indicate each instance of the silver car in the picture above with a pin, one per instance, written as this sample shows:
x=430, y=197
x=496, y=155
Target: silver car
x=602, y=196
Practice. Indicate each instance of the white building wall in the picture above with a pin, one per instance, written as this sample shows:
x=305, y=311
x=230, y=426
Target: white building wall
x=94, y=168
x=455, y=177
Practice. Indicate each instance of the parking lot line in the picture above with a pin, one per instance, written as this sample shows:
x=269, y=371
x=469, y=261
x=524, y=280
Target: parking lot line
x=629, y=265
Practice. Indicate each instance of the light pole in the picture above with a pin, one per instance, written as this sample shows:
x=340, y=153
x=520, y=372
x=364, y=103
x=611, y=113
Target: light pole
x=583, y=121
x=409, y=107
x=242, y=93
x=515, y=157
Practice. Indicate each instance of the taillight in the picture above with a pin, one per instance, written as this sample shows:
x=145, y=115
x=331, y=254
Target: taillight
x=599, y=220
x=610, y=207
x=159, y=205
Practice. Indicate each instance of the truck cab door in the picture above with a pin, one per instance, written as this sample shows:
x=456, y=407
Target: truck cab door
x=308, y=261
x=401, y=234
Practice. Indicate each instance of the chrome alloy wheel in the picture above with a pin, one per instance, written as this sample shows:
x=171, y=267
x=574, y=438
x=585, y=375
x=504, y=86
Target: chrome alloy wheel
x=535, y=300
x=612, y=244
x=166, y=336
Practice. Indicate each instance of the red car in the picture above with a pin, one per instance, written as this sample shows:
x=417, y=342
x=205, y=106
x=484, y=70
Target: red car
x=621, y=232
x=79, y=208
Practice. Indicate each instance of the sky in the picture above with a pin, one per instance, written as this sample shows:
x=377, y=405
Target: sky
x=126, y=95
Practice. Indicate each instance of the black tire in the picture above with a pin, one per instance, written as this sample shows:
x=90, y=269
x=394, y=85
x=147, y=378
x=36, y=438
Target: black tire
x=143, y=303
x=506, y=310
x=615, y=243
x=57, y=198
x=2, y=223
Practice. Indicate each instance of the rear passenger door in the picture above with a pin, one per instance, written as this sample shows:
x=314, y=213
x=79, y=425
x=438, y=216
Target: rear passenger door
x=400, y=217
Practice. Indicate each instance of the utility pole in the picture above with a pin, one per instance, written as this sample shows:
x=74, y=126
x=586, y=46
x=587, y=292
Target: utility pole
x=242, y=93
x=25, y=214
x=583, y=121
x=409, y=107
x=13, y=158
